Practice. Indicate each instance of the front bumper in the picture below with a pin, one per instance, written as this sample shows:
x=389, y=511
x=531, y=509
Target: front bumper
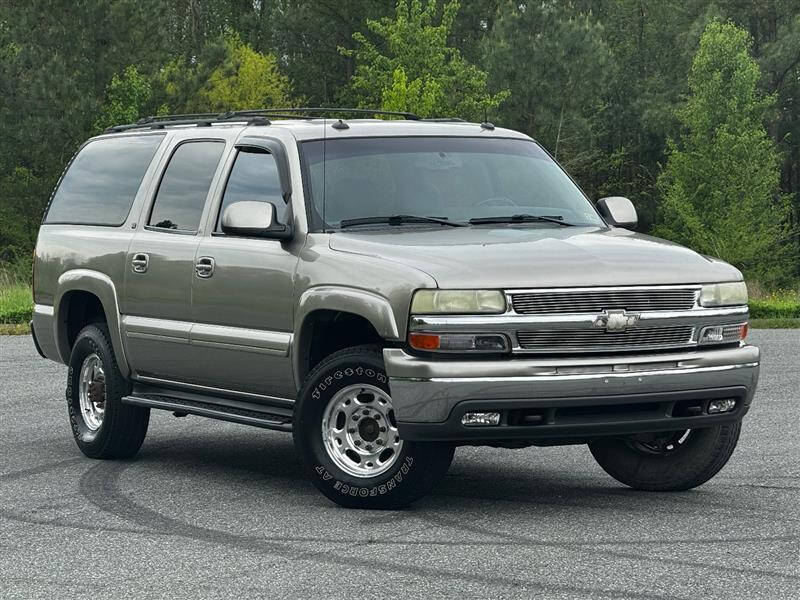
x=568, y=398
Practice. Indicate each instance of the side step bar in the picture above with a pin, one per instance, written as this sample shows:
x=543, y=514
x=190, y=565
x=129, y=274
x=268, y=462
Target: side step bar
x=245, y=413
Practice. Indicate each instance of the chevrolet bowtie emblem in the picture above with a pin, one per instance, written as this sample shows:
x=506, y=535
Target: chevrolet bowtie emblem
x=615, y=320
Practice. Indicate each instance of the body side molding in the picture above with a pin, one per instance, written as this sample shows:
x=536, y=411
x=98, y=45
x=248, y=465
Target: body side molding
x=201, y=334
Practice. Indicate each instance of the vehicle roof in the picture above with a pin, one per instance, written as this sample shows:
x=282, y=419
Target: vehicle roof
x=318, y=128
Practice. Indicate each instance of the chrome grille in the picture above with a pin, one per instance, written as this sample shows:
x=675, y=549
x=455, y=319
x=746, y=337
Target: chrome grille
x=591, y=340
x=587, y=300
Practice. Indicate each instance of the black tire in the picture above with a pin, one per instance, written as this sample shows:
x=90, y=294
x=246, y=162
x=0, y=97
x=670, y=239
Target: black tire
x=417, y=468
x=687, y=465
x=123, y=427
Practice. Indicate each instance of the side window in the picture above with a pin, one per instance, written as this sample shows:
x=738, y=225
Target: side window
x=254, y=177
x=101, y=183
x=184, y=186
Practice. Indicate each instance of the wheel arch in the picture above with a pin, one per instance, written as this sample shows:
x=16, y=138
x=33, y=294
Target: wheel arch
x=77, y=290
x=368, y=317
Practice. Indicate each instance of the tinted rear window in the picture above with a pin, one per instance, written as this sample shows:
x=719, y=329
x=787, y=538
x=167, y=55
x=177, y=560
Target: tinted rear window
x=102, y=181
x=182, y=194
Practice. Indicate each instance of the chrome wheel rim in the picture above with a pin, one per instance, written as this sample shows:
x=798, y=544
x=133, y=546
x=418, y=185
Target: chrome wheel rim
x=359, y=431
x=92, y=392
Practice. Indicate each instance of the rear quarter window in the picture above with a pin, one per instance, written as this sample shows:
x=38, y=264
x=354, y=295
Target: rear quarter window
x=101, y=183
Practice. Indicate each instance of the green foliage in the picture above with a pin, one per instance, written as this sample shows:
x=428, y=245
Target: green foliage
x=229, y=75
x=126, y=98
x=599, y=82
x=720, y=185
x=411, y=67
x=556, y=65
x=22, y=200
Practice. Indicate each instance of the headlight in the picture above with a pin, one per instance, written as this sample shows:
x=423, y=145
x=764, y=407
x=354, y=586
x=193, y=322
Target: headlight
x=427, y=302
x=723, y=294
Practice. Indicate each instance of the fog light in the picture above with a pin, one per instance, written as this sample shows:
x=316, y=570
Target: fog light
x=480, y=419
x=723, y=334
x=721, y=406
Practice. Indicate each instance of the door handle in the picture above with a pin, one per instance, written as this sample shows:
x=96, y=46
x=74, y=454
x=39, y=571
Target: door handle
x=204, y=267
x=139, y=262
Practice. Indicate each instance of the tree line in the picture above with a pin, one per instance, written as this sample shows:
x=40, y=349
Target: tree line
x=688, y=107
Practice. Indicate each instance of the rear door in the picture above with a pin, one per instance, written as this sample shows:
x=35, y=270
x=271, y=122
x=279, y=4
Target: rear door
x=160, y=263
x=242, y=287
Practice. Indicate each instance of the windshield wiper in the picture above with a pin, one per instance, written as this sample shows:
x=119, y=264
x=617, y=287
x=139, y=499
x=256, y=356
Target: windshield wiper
x=398, y=220
x=524, y=218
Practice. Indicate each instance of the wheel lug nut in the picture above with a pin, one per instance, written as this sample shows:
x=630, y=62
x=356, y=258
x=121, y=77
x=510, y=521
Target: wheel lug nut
x=377, y=417
x=368, y=448
x=357, y=442
x=383, y=429
x=379, y=442
x=351, y=430
x=365, y=411
x=355, y=417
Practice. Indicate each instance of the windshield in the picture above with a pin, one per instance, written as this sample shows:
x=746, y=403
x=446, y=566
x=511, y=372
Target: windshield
x=453, y=178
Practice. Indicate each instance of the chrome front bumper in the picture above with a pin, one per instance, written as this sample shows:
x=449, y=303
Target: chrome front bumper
x=428, y=392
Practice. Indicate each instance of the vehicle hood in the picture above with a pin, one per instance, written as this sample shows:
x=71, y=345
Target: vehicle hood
x=536, y=256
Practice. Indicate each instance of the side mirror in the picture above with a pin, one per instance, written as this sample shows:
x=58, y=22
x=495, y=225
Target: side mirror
x=254, y=219
x=618, y=211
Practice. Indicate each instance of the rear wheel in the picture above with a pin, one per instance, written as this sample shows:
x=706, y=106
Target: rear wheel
x=103, y=427
x=668, y=461
x=346, y=433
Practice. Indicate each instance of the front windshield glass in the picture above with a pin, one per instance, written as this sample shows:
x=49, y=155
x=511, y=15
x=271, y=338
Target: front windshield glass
x=455, y=178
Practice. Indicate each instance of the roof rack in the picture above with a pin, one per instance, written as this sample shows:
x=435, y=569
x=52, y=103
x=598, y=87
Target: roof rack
x=328, y=110
x=258, y=116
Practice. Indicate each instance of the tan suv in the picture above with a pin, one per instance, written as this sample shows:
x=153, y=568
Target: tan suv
x=385, y=290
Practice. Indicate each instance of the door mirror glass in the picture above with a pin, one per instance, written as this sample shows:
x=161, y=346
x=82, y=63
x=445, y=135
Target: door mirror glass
x=251, y=218
x=618, y=211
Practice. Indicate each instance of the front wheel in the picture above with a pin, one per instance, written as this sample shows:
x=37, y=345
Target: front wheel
x=345, y=430
x=668, y=461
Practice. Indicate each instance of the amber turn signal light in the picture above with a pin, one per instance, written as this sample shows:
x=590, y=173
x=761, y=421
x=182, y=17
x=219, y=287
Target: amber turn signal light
x=424, y=341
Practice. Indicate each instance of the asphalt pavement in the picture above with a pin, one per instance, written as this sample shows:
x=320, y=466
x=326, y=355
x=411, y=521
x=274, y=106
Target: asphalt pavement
x=216, y=510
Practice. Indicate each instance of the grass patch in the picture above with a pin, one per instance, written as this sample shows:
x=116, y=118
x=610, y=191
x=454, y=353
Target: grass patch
x=16, y=298
x=14, y=329
x=781, y=304
x=16, y=304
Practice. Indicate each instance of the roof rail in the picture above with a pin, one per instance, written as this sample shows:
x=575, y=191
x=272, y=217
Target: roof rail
x=328, y=110
x=251, y=116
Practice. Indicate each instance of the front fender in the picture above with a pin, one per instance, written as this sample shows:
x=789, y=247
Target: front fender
x=101, y=285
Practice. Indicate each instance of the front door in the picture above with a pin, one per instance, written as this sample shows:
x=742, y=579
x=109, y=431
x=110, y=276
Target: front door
x=160, y=265
x=242, y=292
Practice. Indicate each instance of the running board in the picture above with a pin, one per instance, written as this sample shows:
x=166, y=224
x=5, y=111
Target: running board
x=245, y=413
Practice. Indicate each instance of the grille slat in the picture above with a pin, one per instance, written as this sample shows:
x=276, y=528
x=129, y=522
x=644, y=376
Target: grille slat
x=598, y=339
x=574, y=301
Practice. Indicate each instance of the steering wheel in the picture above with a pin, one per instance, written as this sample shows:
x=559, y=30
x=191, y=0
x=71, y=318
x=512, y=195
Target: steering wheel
x=498, y=200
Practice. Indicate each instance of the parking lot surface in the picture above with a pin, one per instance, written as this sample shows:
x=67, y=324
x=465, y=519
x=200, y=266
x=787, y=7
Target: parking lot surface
x=216, y=510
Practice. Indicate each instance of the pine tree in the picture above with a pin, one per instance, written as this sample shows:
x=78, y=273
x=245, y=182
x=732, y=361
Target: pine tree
x=414, y=69
x=720, y=185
